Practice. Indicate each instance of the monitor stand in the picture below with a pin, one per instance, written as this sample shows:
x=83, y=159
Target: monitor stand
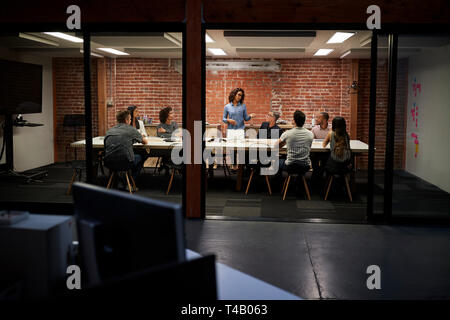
x=7, y=170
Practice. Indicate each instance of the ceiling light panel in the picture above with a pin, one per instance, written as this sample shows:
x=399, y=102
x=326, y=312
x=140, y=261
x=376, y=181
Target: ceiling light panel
x=340, y=37
x=323, y=52
x=217, y=51
x=65, y=36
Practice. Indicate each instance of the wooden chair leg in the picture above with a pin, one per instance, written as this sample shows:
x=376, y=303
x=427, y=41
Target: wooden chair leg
x=128, y=182
x=170, y=182
x=156, y=165
x=284, y=185
x=250, y=180
x=306, y=188
x=329, y=185
x=74, y=175
x=348, y=188
x=133, y=182
x=111, y=178
x=287, y=186
x=268, y=185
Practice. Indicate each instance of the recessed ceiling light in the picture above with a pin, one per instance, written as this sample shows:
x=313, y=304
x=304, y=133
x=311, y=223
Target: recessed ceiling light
x=64, y=36
x=208, y=39
x=340, y=37
x=38, y=39
x=323, y=52
x=345, y=54
x=217, y=51
x=114, y=51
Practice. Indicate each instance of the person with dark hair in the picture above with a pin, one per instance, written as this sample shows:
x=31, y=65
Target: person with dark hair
x=270, y=127
x=118, y=144
x=235, y=113
x=166, y=126
x=321, y=129
x=298, y=141
x=339, y=161
x=319, y=159
x=136, y=122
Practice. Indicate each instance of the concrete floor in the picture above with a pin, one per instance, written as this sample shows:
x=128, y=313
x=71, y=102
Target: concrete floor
x=329, y=261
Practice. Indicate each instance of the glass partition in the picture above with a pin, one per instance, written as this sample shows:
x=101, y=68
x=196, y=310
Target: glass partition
x=277, y=72
x=421, y=173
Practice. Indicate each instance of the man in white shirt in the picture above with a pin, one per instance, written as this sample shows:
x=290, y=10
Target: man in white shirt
x=298, y=141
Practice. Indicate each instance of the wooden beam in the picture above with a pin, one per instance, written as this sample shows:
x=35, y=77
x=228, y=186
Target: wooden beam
x=193, y=177
x=354, y=71
x=101, y=96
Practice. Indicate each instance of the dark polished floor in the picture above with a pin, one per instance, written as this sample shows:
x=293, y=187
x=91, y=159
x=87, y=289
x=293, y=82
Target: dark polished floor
x=329, y=261
x=412, y=197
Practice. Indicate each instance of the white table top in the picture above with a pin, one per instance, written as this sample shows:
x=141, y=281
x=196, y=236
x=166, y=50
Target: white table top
x=236, y=285
x=357, y=146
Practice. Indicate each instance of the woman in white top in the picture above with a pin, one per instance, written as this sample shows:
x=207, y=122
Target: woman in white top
x=136, y=122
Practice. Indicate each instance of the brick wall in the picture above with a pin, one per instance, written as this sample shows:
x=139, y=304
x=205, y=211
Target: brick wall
x=149, y=84
x=69, y=78
x=312, y=85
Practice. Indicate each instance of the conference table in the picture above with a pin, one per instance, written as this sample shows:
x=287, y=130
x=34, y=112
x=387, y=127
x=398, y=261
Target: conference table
x=223, y=145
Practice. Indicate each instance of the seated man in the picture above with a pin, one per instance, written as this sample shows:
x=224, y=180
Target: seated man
x=118, y=143
x=298, y=141
x=319, y=159
x=265, y=131
x=166, y=126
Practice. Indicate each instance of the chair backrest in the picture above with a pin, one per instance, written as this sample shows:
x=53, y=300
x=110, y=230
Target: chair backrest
x=73, y=120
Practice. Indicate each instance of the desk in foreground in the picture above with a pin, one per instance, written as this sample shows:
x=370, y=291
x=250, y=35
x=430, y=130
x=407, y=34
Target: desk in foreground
x=235, y=285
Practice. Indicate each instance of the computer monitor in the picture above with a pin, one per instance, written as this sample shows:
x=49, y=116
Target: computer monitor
x=20, y=87
x=120, y=233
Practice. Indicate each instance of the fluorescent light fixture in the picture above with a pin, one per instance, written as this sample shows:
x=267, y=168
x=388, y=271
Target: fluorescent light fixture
x=340, y=37
x=345, y=54
x=217, y=51
x=366, y=41
x=38, y=39
x=208, y=39
x=323, y=52
x=64, y=36
x=93, y=54
x=114, y=51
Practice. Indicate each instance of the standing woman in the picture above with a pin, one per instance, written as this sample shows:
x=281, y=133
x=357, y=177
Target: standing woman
x=339, y=161
x=234, y=114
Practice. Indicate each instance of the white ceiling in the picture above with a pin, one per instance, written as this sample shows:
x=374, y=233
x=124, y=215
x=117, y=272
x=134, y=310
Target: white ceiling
x=268, y=44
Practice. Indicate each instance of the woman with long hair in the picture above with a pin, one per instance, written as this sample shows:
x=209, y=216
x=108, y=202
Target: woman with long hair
x=234, y=115
x=339, y=161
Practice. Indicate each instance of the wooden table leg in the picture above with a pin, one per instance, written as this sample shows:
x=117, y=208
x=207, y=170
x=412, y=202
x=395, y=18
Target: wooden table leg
x=240, y=175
